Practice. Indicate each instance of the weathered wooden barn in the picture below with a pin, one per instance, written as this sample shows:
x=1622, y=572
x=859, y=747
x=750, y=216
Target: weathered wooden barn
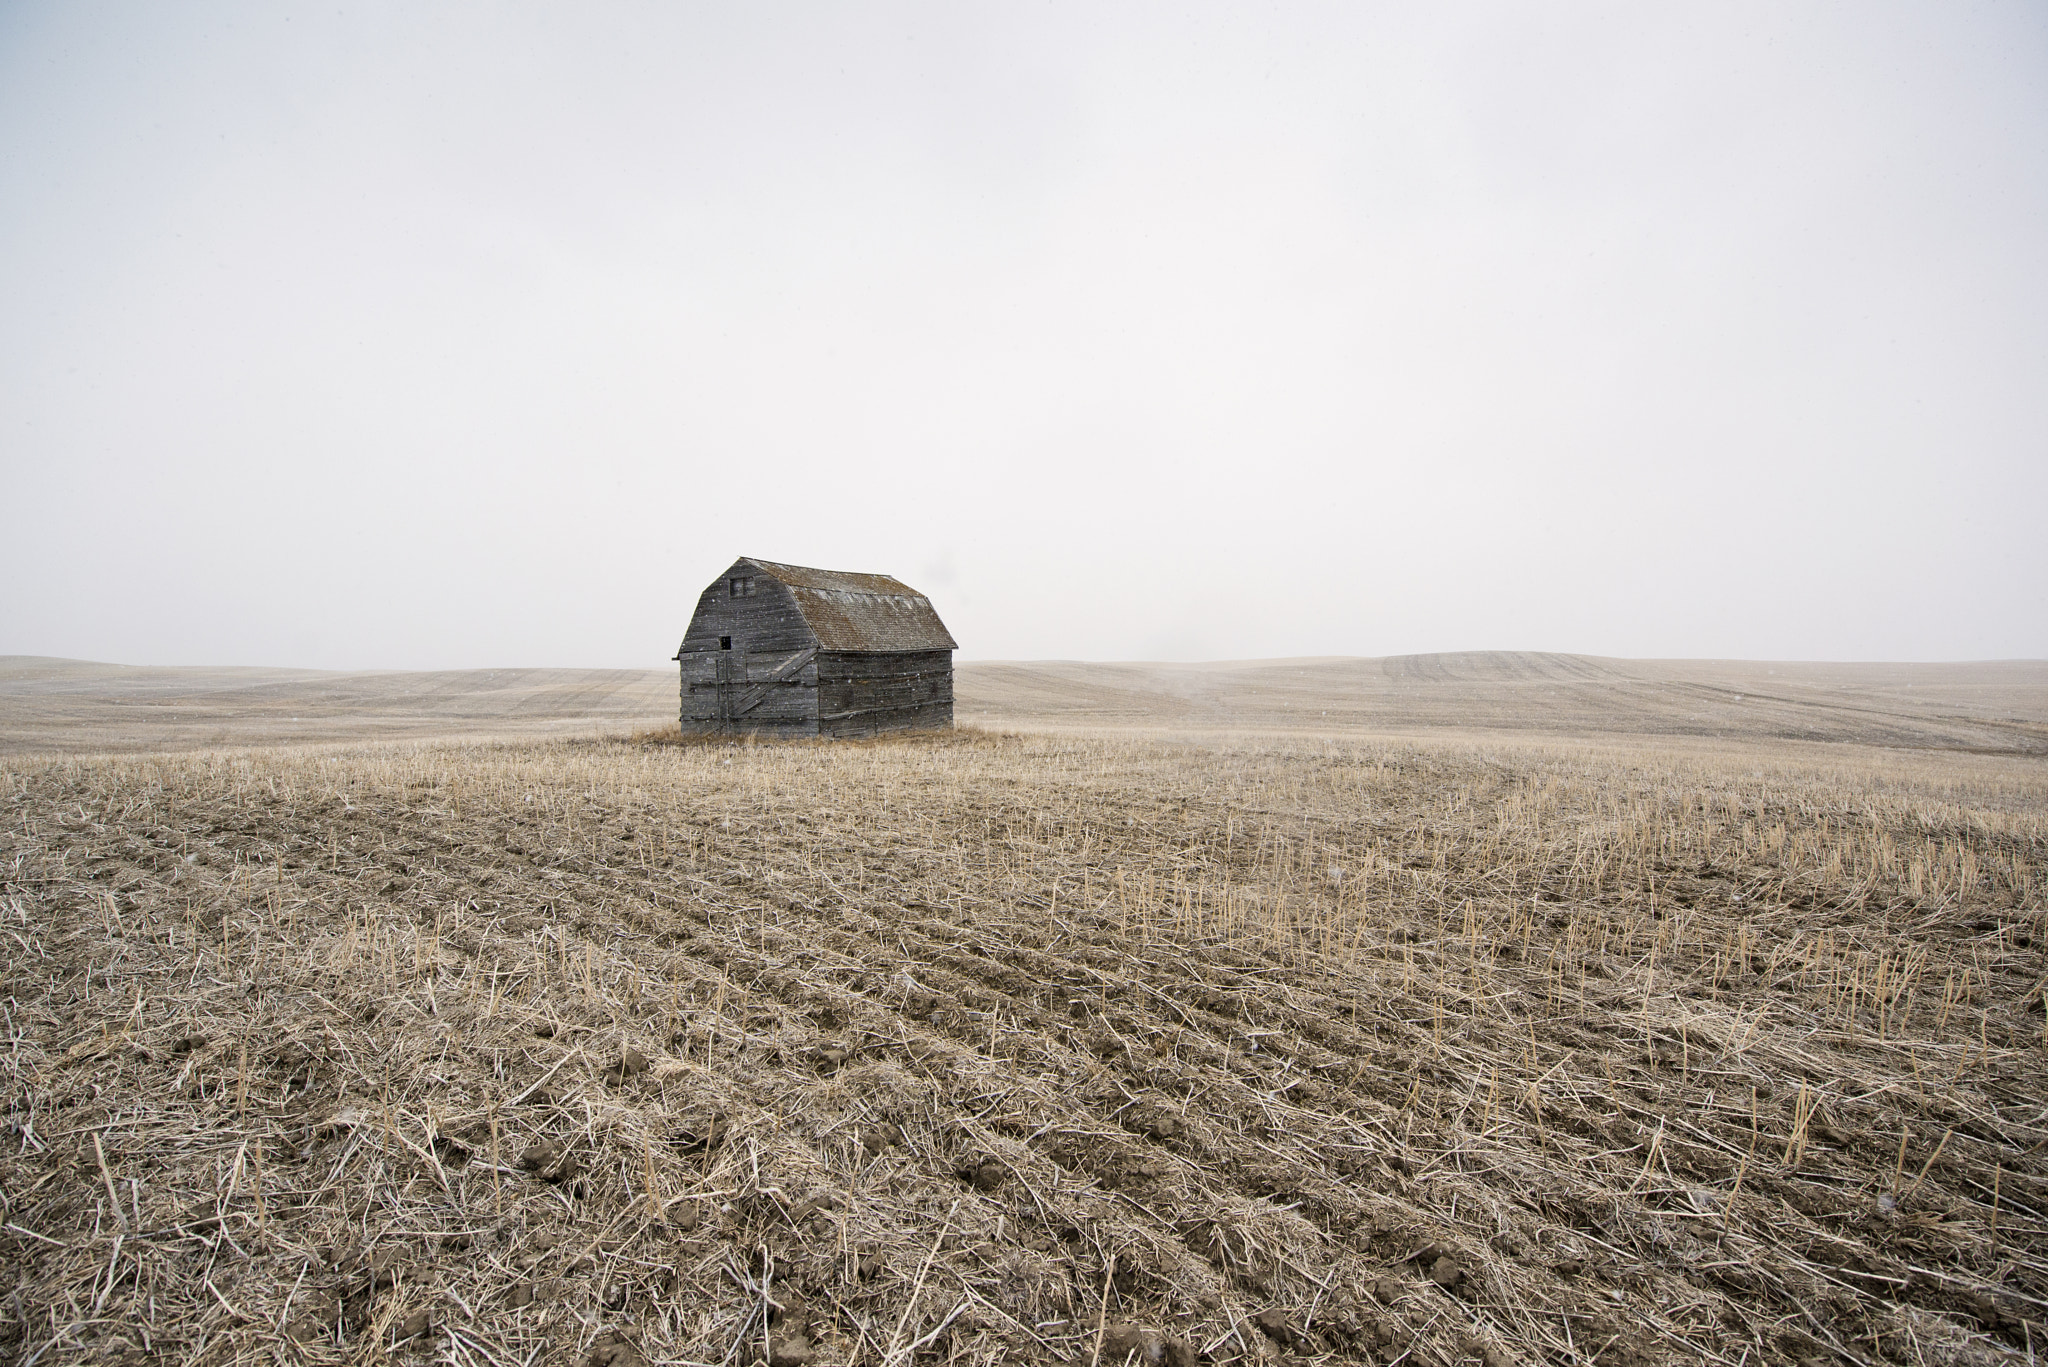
x=781, y=650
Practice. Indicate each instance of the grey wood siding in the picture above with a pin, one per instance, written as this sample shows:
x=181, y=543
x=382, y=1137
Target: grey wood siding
x=766, y=623
x=861, y=694
x=787, y=706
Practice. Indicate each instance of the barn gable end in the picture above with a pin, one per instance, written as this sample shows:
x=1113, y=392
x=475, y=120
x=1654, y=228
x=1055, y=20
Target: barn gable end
x=786, y=650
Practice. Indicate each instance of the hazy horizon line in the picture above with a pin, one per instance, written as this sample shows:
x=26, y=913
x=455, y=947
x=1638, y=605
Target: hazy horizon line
x=18, y=659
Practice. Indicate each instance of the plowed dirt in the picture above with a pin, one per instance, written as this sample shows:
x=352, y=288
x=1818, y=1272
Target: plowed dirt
x=988, y=1048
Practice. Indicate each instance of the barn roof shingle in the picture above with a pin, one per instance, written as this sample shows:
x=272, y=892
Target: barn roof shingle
x=861, y=612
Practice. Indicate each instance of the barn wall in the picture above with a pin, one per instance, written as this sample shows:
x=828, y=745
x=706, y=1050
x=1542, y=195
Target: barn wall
x=766, y=623
x=863, y=694
x=766, y=629
x=789, y=708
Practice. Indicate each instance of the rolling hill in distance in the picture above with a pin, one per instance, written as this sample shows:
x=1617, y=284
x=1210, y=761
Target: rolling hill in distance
x=1998, y=707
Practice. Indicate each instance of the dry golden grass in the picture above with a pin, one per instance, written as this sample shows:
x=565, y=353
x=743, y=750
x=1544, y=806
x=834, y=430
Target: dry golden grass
x=989, y=1047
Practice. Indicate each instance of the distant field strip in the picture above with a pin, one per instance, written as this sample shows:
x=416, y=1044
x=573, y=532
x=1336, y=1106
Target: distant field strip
x=1998, y=708
x=1994, y=707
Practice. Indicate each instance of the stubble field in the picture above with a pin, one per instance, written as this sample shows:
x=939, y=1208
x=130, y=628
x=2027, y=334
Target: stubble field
x=1023, y=1046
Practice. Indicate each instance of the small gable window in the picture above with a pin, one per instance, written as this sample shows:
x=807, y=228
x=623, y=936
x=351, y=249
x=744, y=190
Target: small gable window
x=725, y=643
x=742, y=586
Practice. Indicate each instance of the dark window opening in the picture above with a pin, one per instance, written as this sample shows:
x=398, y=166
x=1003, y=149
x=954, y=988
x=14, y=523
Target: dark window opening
x=725, y=643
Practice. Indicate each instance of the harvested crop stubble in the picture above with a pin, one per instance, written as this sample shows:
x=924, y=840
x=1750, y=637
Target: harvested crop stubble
x=980, y=1048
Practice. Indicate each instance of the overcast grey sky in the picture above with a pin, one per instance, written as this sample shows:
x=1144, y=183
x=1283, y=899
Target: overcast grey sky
x=441, y=336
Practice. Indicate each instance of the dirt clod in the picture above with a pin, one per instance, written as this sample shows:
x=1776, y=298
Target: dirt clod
x=631, y=1064
x=613, y=1350
x=983, y=1174
x=383, y=1269
x=1120, y=1342
x=700, y=1132
x=550, y=1160
x=1160, y=1123
x=1275, y=1324
x=314, y=1319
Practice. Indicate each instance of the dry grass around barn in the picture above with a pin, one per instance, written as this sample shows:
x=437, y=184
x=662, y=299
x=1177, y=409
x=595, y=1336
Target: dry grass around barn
x=986, y=1048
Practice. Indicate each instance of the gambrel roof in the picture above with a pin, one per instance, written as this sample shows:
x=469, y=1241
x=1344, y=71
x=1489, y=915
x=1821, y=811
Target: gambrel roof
x=860, y=612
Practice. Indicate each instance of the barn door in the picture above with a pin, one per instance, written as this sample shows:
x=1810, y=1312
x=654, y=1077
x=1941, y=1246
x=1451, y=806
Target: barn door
x=731, y=678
